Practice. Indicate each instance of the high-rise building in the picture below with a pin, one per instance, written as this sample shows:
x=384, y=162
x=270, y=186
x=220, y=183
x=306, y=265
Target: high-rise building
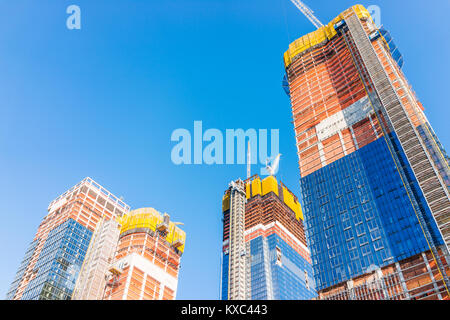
x=91, y=247
x=147, y=258
x=234, y=229
x=264, y=254
x=54, y=258
x=374, y=177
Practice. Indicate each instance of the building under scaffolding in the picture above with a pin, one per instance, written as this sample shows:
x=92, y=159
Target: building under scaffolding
x=53, y=261
x=264, y=254
x=147, y=259
x=90, y=247
x=374, y=177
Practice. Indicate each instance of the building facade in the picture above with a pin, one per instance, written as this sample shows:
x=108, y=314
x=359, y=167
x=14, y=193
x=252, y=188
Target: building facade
x=147, y=259
x=264, y=254
x=374, y=177
x=52, y=262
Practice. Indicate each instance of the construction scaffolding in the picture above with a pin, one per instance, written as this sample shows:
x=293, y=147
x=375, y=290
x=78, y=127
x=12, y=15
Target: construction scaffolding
x=147, y=259
x=91, y=282
x=416, y=278
x=151, y=219
x=401, y=117
x=236, y=267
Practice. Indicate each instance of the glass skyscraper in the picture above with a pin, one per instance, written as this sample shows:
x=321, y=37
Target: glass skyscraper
x=59, y=263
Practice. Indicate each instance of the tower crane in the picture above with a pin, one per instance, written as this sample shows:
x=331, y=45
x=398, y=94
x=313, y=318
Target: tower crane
x=249, y=161
x=308, y=12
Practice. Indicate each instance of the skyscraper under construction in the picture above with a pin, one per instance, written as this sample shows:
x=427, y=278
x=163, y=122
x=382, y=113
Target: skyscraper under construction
x=264, y=254
x=374, y=177
x=52, y=262
x=147, y=259
x=91, y=247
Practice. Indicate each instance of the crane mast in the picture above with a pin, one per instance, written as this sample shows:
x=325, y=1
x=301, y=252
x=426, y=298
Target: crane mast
x=249, y=161
x=308, y=13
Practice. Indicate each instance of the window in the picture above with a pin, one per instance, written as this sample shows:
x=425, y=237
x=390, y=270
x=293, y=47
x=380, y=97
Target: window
x=367, y=206
x=332, y=253
x=345, y=216
x=351, y=244
x=363, y=240
x=353, y=255
x=341, y=205
x=375, y=235
x=331, y=243
x=355, y=212
x=358, y=220
x=348, y=234
x=347, y=224
x=365, y=250
x=378, y=245
x=360, y=230
x=369, y=214
x=372, y=225
x=328, y=223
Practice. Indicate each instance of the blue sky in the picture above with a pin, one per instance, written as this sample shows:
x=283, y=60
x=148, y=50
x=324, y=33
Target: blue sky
x=103, y=101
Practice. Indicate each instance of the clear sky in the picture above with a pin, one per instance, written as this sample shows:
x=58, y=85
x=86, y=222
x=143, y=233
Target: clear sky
x=103, y=101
